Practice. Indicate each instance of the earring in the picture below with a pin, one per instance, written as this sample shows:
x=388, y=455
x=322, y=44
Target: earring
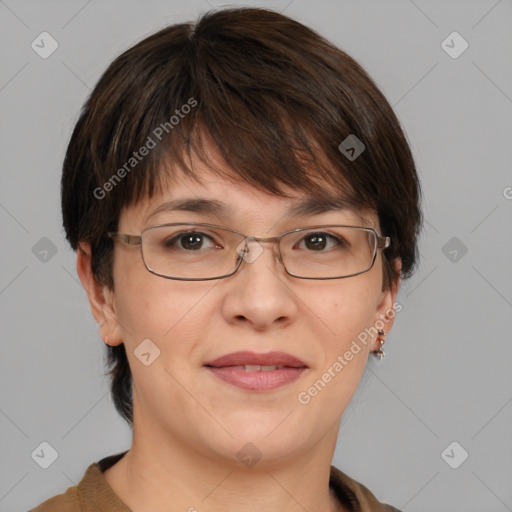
x=380, y=353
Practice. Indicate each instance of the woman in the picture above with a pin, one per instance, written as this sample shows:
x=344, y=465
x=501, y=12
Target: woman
x=243, y=204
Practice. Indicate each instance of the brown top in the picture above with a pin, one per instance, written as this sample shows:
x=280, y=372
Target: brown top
x=94, y=494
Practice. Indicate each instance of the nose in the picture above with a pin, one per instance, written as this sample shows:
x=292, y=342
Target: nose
x=259, y=293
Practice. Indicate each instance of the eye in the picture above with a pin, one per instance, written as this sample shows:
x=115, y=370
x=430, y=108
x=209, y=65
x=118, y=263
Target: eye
x=321, y=241
x=191, y=241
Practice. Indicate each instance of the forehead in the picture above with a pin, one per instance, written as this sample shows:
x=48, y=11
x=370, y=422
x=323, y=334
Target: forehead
x=228, y=200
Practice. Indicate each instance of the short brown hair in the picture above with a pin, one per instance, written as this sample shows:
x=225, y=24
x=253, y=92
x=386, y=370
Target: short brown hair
x=273, y=97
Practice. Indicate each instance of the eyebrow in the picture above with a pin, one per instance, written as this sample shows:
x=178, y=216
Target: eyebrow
x=317, y=205
x=302, y=208
x=194, y=205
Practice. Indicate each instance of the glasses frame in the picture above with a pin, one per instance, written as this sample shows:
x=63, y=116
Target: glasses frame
x=382, y=242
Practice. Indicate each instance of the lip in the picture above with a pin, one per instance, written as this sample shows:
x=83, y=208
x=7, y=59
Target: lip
x=268, y=359
x=229, y=368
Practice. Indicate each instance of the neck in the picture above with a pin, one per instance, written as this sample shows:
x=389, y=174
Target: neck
x=160, y=473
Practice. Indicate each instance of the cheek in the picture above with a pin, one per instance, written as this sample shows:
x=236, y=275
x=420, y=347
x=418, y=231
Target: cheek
x=170, y=315
x=149, y=306
x=345, y=312
x=346, y=309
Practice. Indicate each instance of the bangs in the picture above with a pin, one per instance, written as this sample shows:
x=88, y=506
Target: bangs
x=294, y=162
x=265, y=146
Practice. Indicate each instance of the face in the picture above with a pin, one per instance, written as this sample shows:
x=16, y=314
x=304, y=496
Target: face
x=260, y=309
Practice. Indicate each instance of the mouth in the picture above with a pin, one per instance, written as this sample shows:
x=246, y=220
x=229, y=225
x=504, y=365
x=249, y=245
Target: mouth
x=257, y=372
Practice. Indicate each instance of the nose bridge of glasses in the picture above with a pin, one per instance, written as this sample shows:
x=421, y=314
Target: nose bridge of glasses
x=252, y=247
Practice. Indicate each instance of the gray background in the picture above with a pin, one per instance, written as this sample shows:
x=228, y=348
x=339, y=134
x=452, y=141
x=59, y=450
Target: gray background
x=447, y=375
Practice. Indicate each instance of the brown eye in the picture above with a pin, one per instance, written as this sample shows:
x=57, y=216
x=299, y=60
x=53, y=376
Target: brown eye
x=316, y=241
x=322, y=242
x=191, y=241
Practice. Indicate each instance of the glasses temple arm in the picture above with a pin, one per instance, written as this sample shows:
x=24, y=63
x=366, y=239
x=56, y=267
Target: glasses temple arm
x=383, y=242
x=127, y=239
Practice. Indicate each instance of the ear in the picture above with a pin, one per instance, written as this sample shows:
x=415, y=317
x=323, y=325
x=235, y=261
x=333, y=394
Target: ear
x=101, y=297
x=385, y=312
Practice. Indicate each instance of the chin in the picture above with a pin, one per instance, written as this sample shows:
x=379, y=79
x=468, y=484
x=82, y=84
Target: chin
x=274, y=435
x=256, y=449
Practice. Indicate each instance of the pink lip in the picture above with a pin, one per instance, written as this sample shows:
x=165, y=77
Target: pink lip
x=229, y=368
x=268, y=359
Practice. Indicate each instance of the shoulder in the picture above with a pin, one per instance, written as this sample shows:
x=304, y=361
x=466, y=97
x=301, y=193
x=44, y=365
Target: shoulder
x=355, y=494
x=69, y=501
x=92, y=494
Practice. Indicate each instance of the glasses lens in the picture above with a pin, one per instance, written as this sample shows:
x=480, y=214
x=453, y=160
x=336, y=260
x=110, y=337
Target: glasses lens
x=329, y=251
x=190, y=251
x=202, y=251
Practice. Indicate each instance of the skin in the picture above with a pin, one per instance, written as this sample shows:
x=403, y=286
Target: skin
x=188, y=424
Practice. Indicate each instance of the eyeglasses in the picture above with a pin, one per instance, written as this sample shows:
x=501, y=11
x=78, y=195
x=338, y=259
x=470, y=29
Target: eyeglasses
x=200, y=252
